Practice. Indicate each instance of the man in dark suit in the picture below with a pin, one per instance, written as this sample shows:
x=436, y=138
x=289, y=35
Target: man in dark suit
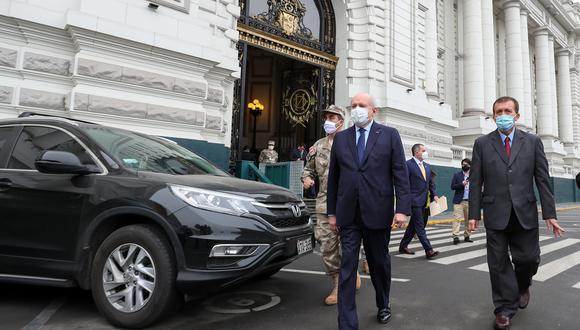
x=505, y=164
x=299, y=153
x=422, y=190
x=367, y=169
x=460, y=183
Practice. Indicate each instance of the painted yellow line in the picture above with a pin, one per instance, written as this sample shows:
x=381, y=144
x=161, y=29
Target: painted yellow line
x=444, y=221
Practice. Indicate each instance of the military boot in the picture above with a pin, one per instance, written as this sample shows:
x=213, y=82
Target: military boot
x=332, y=298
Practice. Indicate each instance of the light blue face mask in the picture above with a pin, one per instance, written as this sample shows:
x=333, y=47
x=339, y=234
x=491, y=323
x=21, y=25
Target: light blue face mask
x=504, y=122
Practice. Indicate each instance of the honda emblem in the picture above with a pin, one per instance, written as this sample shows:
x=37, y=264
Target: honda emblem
x=295, y=208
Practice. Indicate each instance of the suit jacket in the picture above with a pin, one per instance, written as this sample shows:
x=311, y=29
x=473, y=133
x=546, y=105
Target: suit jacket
x=457, y=185
x=499, y=183
x=420, y=188
x=298, y=155
x=374, y=182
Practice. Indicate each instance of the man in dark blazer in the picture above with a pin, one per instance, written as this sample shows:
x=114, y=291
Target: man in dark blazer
x=367, y=170
x=505, y=164
x=422, y=190
x=460, y=183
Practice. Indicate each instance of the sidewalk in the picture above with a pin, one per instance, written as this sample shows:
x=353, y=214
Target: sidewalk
x=447, y=217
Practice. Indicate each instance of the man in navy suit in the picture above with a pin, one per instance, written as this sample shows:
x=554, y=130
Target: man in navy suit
x=367, y=170
x=422, y=189
x=460, y=183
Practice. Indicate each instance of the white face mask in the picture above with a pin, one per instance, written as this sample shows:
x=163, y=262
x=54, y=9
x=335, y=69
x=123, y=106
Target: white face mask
x=425, y=155
x=360, y=116
x=271, y=147
x=329, y=127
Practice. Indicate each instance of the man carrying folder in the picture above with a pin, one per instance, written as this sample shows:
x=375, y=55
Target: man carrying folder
x=422, y=185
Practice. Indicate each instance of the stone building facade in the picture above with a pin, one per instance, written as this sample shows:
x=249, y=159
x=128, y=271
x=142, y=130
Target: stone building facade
x=170, y=67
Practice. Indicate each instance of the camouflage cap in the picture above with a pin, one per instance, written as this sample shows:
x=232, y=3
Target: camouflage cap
x=334, y=109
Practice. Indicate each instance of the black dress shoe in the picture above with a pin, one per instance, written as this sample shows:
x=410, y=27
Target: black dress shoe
x=502, y=322
x=467, y=239
x=455, y=240
x=431, y=254
x=405, y=251
x=524, y=299
x=384, y=315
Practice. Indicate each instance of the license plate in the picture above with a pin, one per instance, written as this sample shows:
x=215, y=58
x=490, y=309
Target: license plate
x=304, y=245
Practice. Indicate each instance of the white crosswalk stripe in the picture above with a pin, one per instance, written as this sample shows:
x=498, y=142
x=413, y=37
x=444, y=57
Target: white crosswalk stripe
x=429, y=236
x=400, y=233
x=468, y=255
x=451, y=254
x=445, y=249
x=557, y=266
x=544, y=250
x=443, y=241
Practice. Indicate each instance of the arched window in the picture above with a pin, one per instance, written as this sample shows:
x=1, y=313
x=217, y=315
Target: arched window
x=308, y=22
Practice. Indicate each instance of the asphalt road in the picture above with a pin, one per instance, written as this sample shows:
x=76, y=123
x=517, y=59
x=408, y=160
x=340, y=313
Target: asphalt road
x=451, y=292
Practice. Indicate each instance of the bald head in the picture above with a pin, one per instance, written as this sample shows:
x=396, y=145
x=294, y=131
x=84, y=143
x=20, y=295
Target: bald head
x=363, y=100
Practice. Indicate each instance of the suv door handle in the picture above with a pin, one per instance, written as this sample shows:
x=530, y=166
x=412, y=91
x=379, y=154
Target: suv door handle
x=5, y=184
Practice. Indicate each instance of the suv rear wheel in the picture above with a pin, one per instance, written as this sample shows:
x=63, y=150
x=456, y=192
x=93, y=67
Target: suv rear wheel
x=133, y=277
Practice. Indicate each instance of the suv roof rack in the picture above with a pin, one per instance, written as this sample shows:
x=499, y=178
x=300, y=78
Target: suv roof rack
x=31, y=114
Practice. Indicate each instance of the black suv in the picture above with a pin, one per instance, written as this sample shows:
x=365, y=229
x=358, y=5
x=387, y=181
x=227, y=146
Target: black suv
x=138, y=220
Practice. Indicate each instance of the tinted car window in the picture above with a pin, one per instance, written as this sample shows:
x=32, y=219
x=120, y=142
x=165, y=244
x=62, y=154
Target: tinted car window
x=35, y=139
x=4, y=135
x=145, y=153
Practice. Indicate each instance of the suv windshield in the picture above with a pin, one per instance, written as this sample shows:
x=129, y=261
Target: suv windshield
x=144, y=153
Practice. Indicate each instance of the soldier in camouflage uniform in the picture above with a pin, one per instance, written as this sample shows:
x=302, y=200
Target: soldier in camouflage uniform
x=317, y=164
x=269, y=156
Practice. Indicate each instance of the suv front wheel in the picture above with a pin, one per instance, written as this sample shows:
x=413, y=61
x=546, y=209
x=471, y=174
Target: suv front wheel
x=133, y=277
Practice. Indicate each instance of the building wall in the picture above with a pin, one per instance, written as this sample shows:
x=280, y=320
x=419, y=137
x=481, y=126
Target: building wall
x=165, y=72
x=170, y=72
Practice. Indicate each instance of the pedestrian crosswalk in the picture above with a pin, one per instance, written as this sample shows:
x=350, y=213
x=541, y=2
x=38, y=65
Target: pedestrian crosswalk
x=450, y=254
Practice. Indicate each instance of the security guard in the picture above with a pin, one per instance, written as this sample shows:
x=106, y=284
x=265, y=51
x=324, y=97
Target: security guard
x=269, y=155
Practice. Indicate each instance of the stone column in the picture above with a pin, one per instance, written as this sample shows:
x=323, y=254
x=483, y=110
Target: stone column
x=513, y=42
x=543, y=86
x=565, y=97
x=431, y=68
x=526, y=71
x=473, y=81
x=553, y=90
x=489, y=73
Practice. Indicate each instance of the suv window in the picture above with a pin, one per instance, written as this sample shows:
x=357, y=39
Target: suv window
x=35, y=139
x=144, y=153
x=4, y=135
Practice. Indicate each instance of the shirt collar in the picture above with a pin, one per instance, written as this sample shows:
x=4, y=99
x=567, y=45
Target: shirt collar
x=503, y=136
x=417, y=161
x=367, y=127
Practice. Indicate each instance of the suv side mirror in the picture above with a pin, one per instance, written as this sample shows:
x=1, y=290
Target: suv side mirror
x=63, y=162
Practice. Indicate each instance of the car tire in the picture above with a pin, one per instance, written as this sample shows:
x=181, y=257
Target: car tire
x=133, y=277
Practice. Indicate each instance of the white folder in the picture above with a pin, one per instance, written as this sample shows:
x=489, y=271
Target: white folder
x=439, y=206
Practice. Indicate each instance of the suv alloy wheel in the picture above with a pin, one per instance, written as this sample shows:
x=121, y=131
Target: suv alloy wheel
x=133, y=277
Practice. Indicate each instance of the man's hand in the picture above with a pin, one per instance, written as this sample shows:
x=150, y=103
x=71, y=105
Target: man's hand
x=436, y=199
x=308, y=182
x=473, y=224
x=552, y=225
x=399, y=220
x=465, y=182
x=332, y=222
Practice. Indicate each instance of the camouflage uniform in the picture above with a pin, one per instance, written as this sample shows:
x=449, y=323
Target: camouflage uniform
x=268, y=156
x=317, y=167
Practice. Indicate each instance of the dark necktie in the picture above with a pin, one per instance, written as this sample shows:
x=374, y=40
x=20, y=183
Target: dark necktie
x=360, y=144
x=508, y=147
